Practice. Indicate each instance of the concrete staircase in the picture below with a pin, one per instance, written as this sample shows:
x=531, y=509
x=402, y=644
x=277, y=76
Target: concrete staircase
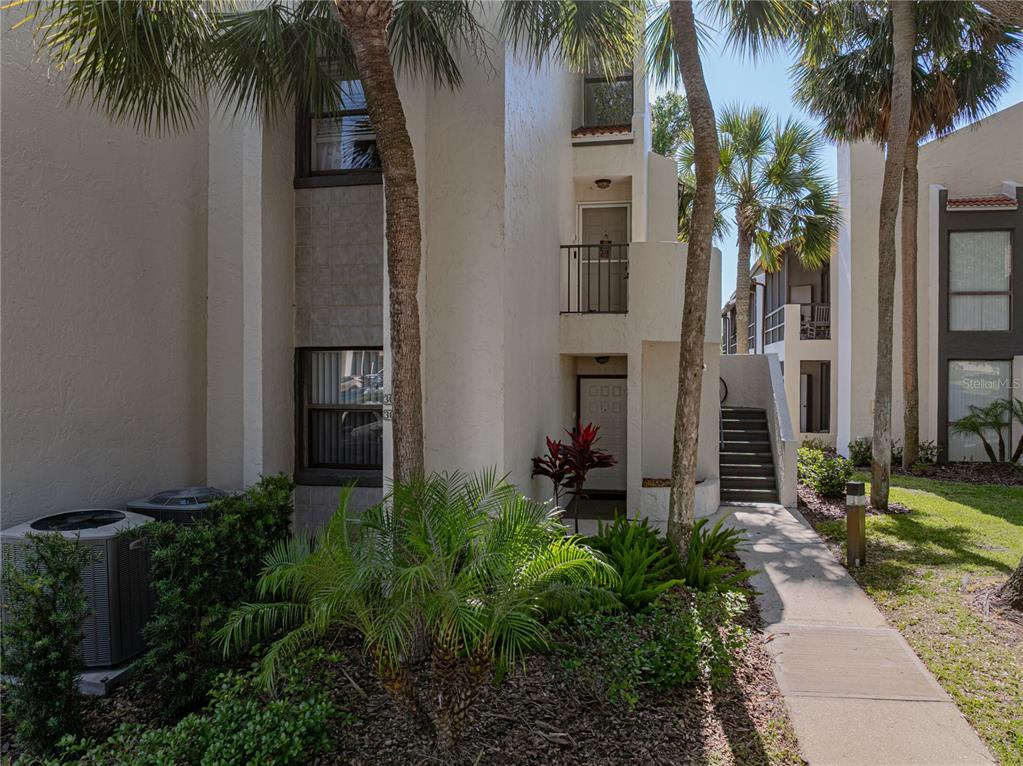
x=747, y=465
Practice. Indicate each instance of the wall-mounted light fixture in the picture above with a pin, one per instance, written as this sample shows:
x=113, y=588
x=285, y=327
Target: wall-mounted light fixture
x=603, y=183
x=601, y=359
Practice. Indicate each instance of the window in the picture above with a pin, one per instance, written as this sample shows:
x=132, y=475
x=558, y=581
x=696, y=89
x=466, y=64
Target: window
x=339, y=146
x=607, y=102
x=340, y=392
x=980, y=273
x=977, y=383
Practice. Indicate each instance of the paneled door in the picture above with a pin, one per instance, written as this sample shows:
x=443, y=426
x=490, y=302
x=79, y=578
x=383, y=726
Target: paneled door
x=604, y=269
x=602, y=401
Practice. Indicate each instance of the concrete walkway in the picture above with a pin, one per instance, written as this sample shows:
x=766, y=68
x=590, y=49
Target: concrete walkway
x=856, y=692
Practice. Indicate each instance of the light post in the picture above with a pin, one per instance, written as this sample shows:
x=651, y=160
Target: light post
x=855, y=524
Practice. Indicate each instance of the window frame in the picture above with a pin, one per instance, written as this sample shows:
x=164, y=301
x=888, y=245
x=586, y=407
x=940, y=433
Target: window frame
x=589, y=79
x=305, y=176
x=950, y=293
x=948, y=382
x=333, y=475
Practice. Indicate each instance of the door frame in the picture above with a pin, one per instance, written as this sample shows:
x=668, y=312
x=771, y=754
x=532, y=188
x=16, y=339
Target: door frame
x=580, y=206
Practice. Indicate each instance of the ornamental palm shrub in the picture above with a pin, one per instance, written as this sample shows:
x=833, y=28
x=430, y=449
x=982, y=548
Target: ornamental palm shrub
x=45, y=605
x=987, y=422
x=446, y=580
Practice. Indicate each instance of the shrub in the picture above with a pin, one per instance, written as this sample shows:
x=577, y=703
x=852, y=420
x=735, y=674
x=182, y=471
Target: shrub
x=646, y=563
x=859, y=451
x=818, y=444
x=824, y=473
x=200, y=572
x=685, y=636
x=45, y=606
x=462, y=571
x=927, y=453
x=706, y=567
x=240, y=725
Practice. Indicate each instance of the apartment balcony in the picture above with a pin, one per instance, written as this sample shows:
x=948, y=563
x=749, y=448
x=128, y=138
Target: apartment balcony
x=801, y=321
x=595, y=279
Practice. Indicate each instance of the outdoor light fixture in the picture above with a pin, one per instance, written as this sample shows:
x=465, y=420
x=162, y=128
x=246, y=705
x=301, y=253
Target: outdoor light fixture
x=601, y=359
x=602, y=183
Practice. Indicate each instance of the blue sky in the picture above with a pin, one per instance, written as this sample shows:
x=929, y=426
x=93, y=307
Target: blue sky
x=734, y=79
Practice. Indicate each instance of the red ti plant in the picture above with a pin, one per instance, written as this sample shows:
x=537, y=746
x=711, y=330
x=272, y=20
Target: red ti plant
x=553, y=465
x=567, y=465
x=582, y=457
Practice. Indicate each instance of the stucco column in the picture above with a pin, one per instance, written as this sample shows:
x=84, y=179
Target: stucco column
x=249, y=331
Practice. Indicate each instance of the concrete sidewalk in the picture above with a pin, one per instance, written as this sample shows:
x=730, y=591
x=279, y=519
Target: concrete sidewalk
x=856, y=692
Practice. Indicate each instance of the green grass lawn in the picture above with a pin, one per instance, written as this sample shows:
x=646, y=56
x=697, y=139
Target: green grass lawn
x=923, y=569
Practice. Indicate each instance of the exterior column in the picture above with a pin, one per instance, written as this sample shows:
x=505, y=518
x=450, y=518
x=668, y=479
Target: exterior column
x=250, y=295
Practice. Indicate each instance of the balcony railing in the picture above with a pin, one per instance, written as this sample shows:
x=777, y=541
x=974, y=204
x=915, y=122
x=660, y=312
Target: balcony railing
x=814, y=322
x=596, y=279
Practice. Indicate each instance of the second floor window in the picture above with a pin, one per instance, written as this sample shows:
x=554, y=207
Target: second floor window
x=341, y=140
x=607, y=102
x=979, y=280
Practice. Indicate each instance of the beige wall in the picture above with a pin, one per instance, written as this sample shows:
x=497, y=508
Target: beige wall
x=974, y=160
x=103, y=301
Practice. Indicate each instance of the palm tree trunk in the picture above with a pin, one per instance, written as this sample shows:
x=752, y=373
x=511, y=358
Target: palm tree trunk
x=910, y=370
x=366, y=23
x=742, y=285
x=694, y=306
x=1011, y=593
x=903, y=38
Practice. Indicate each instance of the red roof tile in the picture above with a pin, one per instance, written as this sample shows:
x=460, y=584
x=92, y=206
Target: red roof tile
x=602, y=130
x=993, y=200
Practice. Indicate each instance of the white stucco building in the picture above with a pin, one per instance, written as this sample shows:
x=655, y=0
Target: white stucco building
x=206, y=308
x=970, y=274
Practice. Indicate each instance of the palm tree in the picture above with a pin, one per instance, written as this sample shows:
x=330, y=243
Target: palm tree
x=155, y=64
x=771, y=181
x=471, y=562
x=674, y=53
x=961, y=66
x=1009, y=11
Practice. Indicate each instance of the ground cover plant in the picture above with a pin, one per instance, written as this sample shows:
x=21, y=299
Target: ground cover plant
x=934, y=572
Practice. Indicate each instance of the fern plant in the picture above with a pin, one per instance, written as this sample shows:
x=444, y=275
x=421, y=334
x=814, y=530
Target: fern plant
x=459, y=569
x=646, y=563
x=704, y=568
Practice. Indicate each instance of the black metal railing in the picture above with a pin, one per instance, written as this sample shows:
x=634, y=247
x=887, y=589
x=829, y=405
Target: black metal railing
x=597, y=279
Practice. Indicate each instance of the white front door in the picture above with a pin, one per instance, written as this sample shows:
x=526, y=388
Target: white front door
x=602, y=401
x=604, y=265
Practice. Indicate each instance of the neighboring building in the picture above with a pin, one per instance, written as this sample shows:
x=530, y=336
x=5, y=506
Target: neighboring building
x=790, y=316
x=207, y=308
x=969, y=278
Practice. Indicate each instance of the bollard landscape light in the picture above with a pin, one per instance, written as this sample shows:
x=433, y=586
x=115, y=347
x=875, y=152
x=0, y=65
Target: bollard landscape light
x=855, y=524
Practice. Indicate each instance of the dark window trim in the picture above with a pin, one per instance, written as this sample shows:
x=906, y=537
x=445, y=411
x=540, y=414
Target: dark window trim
x=1012, y=275
x=363, y=476
x=974, y=345
x=306, y=177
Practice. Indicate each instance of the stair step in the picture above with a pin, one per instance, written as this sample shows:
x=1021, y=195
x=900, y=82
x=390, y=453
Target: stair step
x=736, y=470
x=748, y=482
x=730, y=413
x=745, y=447
x=746, y=458
x=750, y=495
x=746, y=434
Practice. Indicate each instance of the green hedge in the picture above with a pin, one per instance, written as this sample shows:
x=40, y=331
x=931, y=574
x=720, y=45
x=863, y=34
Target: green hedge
x=200, y=572
x=827, y=474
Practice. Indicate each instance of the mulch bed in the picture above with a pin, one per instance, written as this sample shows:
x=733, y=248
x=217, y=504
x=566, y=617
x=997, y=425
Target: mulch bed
x=548, y=715
x=969, y=473
x=816, y=507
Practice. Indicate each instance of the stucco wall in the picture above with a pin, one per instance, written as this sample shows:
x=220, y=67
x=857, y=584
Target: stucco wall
x=538, y=186
x=103, y=301
x=974, y=160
